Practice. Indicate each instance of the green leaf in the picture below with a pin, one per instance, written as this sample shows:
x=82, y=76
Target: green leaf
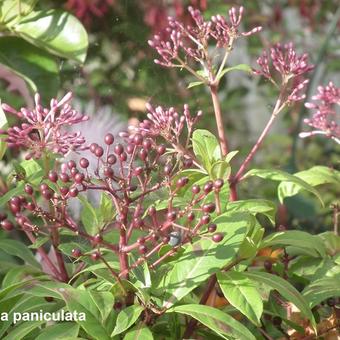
x=56, y=31
x=13, y=9
x=81, y=302
x=220, y=169
x=22, y=329
x=206, y=148
x=321, y=290
x=106, y=210
x=103, y=301
x=242, y=293
x=31, y=167
x=60, y=331
x=285, y=289
x=314, y=176
x=239, y=67
x=18, y=249
x=126, y=318
x=9, y=194
x=194, y=83
x=89, y=217
x=231, y=155
x=221, y=323
x=296, y=238
x=3, y=126
x=281, y=176
x=331, y=242
x=255, y=206
x=37, y=67
x=140, y=332
x=39, y=242
x=203, y=258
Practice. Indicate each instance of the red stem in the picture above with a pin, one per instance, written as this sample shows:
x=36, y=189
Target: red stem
x=44, y=256
x=219, y=120
x=278, y=107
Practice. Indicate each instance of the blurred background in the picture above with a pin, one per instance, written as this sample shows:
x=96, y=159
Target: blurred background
x=118, y=77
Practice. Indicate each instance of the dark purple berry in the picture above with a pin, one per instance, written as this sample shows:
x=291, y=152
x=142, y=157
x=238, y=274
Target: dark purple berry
x=209, y=207
x=118, y=149
x=181, y=182
x=95, y=256
x=99, y=151
x=141, y=240
x=30, y=206
x=74, y=171
x=212, y=227
x=152, y=211
x=64, y=190
x=93, y=147
x=142, y=249
x=143, y=154
x=84, y=163
x=28, y=189
x=161, y=149
x=7, y=225
x=175, y=238
x=129, y=149
x=208, y=187
x=187, y=163
x=168, y=169
x=205, y=219
x=79, y=178
x=15, y=200
x=138, y=139
x=3, y=216
x=109, y=139
x=138, y=171
x=64, y=177
x=123, y=156
x=14, y=208
x=71, y=164
x=218, y=237
x=195, y=189
x=73, y=192
x=147, y=144
x=53, y=176
x=191, y=216
x=218, y=183
x=171, y=216
x=97, y=239
x=108, y=172
x=111, y=159
x=47, y=194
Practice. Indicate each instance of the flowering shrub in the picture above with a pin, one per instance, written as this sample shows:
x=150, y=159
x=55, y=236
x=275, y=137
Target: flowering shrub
x=170, y=250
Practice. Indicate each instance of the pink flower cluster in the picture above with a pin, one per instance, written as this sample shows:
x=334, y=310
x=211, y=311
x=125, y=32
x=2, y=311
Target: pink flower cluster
x=326, y=117
x=44, y=128
x=193, y=39
x=167, y=123
x=283, y=61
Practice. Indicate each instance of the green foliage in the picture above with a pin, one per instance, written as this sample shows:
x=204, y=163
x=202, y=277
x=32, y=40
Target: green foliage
x=205, y=257
x=243, y=294
x=281, y=176
x=221, y=323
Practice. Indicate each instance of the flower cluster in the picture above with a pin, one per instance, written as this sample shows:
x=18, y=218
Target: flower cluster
x=85, y=10
x=142, y=169
x=45, y=129
x=325, y=120
x=285, y=62
x=193, y=39
x=167, y=123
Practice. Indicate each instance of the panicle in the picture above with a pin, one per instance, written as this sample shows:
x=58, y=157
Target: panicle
x=43, y=129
